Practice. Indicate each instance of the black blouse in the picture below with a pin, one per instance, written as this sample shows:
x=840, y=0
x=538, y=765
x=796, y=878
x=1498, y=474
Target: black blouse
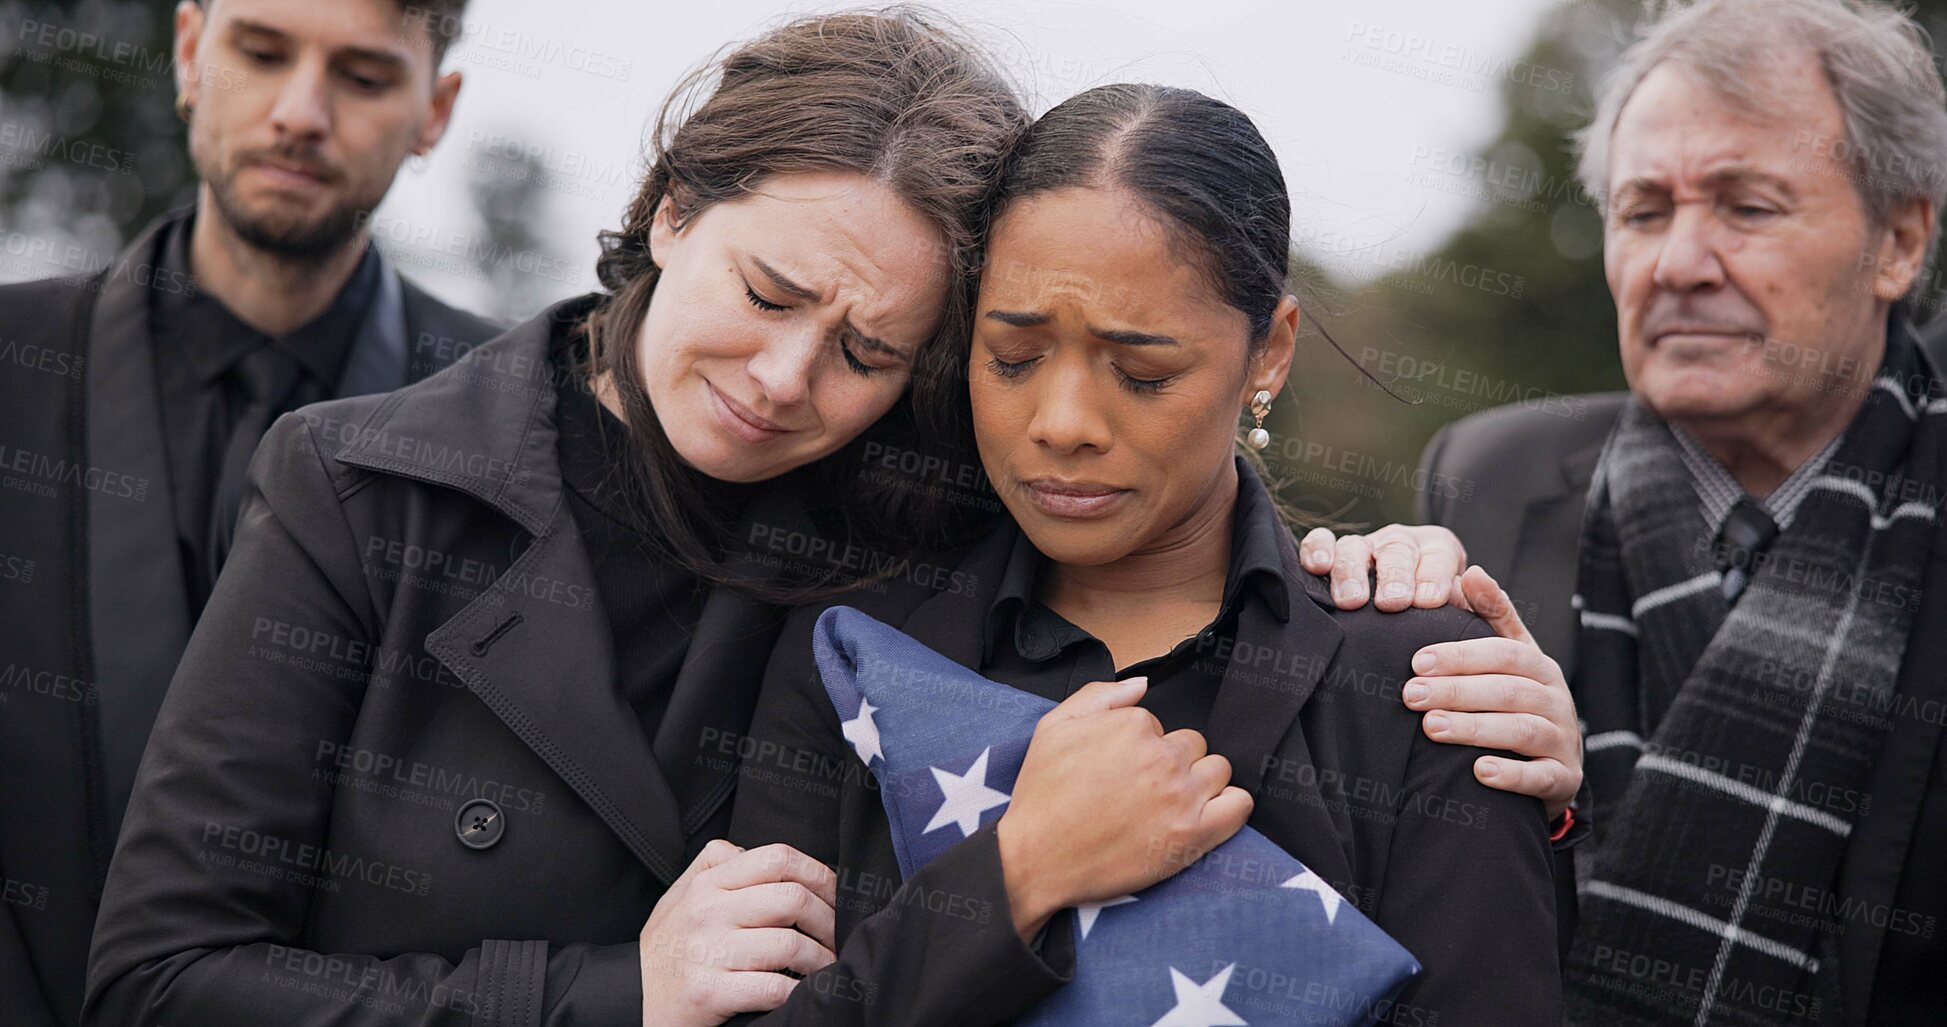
x=1030, y=646
x=1302, y=698
x=651, y=605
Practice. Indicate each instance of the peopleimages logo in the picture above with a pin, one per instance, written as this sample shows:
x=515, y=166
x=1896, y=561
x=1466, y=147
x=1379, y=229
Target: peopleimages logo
x=477, y=250
x=41, y=473
x=283, y=858
x=27, y=140
x=1465, y=64
x=395, y=769
x=64, y=39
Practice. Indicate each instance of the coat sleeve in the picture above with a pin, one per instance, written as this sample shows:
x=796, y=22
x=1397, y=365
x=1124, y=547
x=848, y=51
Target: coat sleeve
x=939, y=948
x=203, y=920
x=1469, y=890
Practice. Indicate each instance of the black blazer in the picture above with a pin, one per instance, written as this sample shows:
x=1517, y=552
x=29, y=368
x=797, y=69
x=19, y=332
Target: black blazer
x=1312, y=723
x=409, y=623
x=1530, y=472
x=91, y=592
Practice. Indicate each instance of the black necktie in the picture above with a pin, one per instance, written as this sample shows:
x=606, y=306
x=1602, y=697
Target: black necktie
x=1745, y=534
x=269, y=376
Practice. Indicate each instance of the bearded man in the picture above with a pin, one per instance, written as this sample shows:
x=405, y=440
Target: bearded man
x=138, y=393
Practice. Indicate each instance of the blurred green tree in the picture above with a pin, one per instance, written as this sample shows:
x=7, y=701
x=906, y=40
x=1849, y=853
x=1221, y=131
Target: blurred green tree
x=90, y=145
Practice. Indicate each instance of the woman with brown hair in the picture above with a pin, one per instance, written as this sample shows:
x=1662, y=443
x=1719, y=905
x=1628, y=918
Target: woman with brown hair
x=454, y=738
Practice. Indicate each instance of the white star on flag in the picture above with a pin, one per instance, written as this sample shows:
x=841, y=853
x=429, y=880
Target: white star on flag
x=864, y=734
x=1088, y=911
x=1315, y=884
x=967, y=797
x=1200, y=1005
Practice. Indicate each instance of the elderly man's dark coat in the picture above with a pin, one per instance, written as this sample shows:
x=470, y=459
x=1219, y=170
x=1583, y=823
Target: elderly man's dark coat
x=1520, y=478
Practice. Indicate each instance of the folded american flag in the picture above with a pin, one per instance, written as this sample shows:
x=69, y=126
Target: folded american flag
x=1245, y=935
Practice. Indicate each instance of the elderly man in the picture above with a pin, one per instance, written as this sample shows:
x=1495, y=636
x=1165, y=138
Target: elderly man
x=124, y=437
x=1738, y=562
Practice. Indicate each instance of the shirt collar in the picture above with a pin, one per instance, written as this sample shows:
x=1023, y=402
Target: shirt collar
x=1015, y=594
x=1718, y=491
x=213, y=339
x=1255, y=560
x=1256, y=555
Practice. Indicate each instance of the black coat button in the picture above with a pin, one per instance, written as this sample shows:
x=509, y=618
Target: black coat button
x=479, y=824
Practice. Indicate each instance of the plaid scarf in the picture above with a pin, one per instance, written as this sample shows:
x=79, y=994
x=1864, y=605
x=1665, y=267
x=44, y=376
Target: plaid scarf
x=1729, y=748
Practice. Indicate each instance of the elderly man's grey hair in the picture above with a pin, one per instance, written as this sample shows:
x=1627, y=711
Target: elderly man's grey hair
x=1877, y=59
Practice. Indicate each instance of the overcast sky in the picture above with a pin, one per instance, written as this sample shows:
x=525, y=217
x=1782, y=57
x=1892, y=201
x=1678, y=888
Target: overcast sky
x=1354, y=95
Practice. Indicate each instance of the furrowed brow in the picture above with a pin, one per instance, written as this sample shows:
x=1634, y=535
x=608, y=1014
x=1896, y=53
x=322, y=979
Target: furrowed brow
x=790, y=287
x=1019, y=319
x=1133, y=338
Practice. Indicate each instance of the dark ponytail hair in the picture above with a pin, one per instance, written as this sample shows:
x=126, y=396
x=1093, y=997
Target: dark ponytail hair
x=1201, y=167
x=889, y=94
x=1198, y=163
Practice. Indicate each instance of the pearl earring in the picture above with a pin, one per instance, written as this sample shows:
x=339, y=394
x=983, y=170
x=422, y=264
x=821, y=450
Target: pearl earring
x=1260, y=405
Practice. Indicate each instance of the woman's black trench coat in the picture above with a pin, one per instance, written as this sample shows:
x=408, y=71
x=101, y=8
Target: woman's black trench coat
x=394, y=782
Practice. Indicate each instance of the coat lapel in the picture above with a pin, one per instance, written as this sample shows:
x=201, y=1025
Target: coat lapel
x=138, y=609
x=377, y=361
x=541, y=659
x=952, y=624
x=1274, y=668
x=1543, y=566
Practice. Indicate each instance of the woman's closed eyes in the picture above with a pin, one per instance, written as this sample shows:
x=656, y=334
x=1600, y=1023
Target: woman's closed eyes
x=1132, y=382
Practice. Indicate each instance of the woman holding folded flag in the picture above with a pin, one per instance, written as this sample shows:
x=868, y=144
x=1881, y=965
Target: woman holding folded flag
x=1133, y=300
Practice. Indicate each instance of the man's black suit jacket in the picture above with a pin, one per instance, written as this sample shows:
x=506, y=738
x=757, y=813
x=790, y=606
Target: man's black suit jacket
x=93, y=613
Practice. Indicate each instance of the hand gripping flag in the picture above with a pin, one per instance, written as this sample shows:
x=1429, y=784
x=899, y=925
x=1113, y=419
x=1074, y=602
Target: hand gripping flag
x=1245, y=935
